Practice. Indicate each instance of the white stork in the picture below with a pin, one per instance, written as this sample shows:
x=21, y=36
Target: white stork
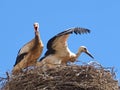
x=29, y=53
x=58, y=52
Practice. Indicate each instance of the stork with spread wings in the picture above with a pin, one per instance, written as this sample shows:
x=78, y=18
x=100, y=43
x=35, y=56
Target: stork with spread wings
x=57, y=49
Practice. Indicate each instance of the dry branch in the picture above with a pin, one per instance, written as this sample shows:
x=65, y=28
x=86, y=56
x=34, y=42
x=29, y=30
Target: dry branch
x=72, y=77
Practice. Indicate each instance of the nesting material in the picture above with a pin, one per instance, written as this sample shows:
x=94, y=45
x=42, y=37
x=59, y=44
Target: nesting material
x=73, y=77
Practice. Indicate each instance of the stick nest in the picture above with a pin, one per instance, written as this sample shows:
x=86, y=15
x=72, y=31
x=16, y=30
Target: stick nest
x=72, y=77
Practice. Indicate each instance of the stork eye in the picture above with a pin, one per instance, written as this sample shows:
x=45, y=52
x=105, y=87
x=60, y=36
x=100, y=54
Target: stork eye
x=85, y=49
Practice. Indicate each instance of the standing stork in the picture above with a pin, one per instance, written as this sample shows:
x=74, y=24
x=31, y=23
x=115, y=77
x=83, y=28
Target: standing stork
x=57, y=49
x=29, y=53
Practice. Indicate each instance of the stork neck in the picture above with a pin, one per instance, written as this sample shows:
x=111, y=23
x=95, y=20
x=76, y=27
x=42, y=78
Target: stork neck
x=37, y=35
x=78, y=53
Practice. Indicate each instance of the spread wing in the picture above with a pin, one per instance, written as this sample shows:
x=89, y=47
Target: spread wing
x=60, y=40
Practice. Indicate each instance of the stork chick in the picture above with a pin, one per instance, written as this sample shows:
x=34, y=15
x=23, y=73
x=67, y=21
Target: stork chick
x=74, y=57
x=29, y=53
x=58, y=52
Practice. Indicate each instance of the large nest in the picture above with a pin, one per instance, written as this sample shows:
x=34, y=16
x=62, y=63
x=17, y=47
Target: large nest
x=73, y=77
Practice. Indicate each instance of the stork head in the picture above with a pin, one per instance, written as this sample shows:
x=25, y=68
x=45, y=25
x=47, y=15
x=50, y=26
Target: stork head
x=84, y=49
x=36, y=26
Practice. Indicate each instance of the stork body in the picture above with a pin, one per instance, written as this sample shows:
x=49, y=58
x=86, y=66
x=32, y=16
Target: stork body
x=58, y=52
x=29, y=53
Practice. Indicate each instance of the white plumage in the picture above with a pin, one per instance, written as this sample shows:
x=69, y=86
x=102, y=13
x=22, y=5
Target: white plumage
x=58, y=52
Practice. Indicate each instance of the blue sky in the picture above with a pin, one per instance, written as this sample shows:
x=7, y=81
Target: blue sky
x=102, y=17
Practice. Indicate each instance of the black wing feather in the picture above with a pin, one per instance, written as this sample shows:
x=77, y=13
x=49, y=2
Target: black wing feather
x=76, y=30
x=19, y=58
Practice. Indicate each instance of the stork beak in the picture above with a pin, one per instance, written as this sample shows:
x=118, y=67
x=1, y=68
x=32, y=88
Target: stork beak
x=36, y=28
x=87, y=52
